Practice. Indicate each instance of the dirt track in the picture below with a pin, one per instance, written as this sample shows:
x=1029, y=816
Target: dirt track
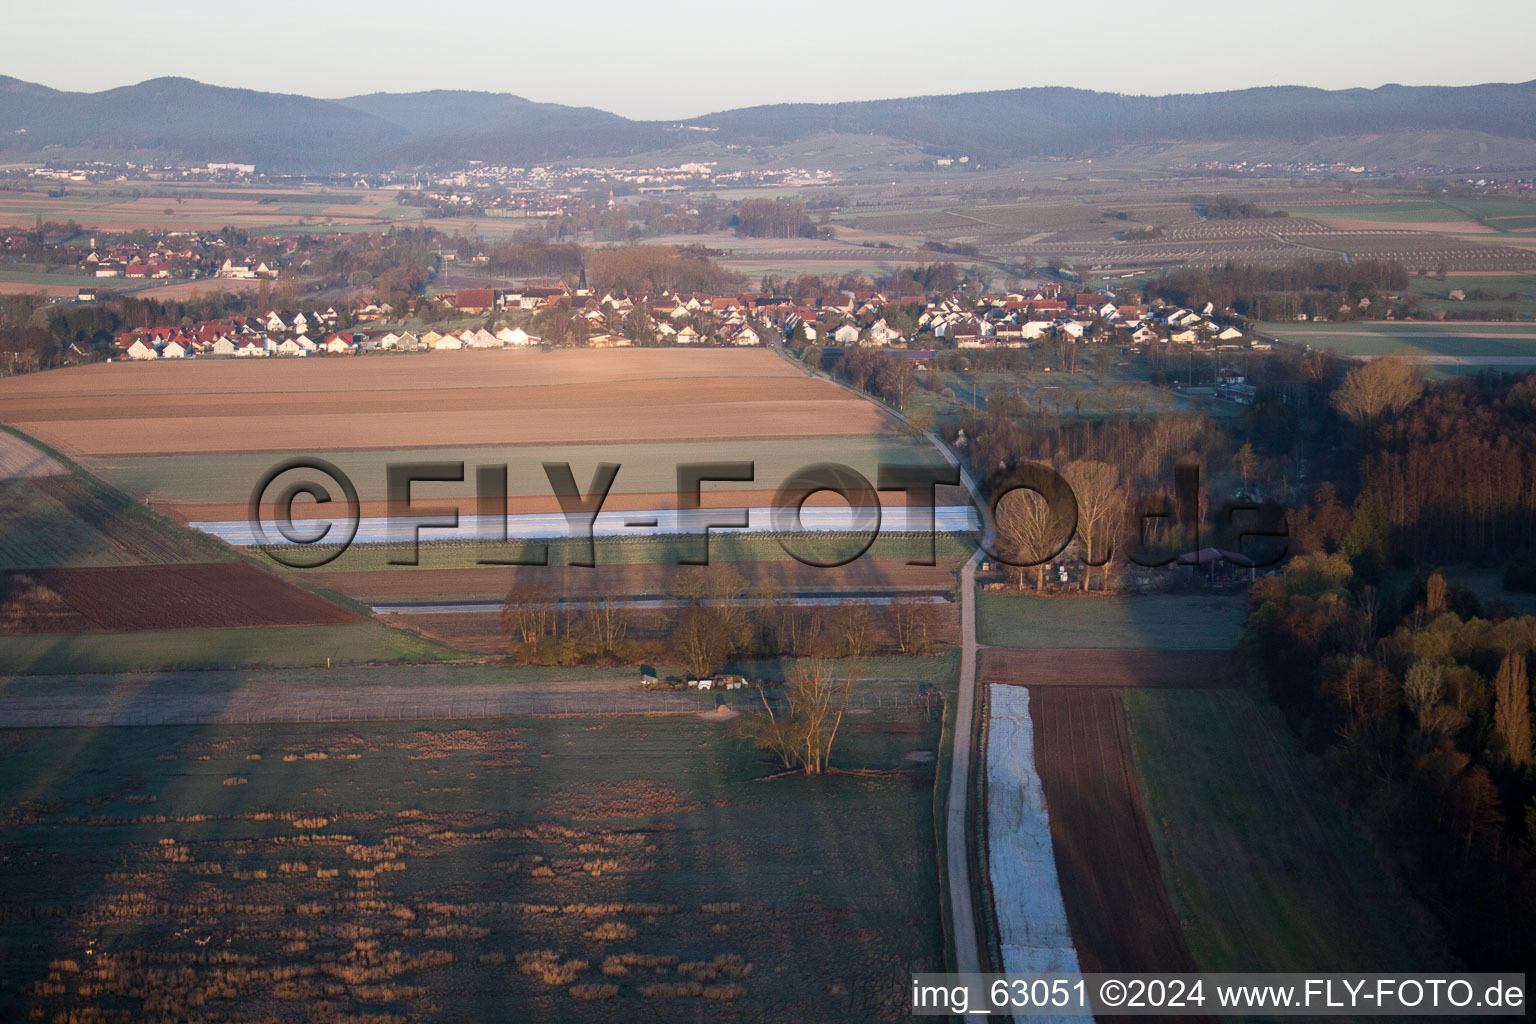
x=1112, y=668
x=1120, y=914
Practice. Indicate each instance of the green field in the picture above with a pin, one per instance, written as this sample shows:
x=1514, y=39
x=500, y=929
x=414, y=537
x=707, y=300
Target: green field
x=397, y=872
x=1169, y=622
x=663, y=551
x=644, y=468
x=70, y=280
x=1263, y=868
x=1471, y=340
x=73, y=521
x=275, y=647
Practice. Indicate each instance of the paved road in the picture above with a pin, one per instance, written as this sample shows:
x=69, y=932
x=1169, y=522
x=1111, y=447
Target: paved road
x=957, y=823
x=962, y=907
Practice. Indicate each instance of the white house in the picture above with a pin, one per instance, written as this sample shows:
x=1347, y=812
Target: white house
x=746, y=336
x=448, y=343
x=173, y=350
x=846, y=335
x=289, y=347
x=222, y=347
x=687, y=336
x=139, y=350
x=338, y=345
x=1230, y=334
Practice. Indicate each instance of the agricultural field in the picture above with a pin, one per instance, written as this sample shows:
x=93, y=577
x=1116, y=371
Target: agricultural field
x=362, y=643
x=1111, y=668
x=1195, y=622
x=1263, y=868
x=68, y=520
x=130, y=598
x=579, y=869
x=438, y=398
x=1117, y=907
x=1444, y=344
x=173, y=207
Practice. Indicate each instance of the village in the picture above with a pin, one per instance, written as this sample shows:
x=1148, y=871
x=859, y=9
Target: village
x=579, y=318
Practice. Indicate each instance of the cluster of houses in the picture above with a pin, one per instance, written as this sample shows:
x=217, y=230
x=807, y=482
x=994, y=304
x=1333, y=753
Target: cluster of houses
x=1015, y=320
x=846, y=319
x=248, y=336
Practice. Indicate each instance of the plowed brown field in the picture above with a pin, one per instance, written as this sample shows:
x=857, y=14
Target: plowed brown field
x=1111, y=668
x=1119, y=912
x=216, y=595
x=438, y=398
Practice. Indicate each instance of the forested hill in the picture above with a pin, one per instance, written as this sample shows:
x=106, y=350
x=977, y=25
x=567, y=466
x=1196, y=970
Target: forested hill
x=176, y=118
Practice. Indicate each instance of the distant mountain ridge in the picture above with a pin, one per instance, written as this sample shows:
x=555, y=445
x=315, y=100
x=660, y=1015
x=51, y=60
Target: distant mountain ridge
x=177, y=118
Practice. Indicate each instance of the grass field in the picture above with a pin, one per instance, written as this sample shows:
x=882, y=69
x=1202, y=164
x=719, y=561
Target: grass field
x=277, y=647
x=571, y=868
x=648, y=469
x=1262, y=866
x=1469, y=341
x=664, y=552
x=70, y=520
x=1168, y=622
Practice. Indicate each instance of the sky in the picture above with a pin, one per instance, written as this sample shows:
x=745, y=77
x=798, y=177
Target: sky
x=674, y=59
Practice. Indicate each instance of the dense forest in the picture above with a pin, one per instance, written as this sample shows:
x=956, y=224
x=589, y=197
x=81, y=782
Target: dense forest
x=1416, y=696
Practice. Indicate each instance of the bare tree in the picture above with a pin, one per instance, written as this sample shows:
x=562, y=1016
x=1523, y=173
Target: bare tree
x=851, y=628
x=689, y=583
x=914, y=620
x=606, y=622
x=800, y=734
x=702, y=641
x=723, y=587
x=1383, y=386
x=528, y=613
x=1100, y=506
x=1030, y=533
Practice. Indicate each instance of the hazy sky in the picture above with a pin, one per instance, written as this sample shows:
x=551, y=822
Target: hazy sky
x=680, y=58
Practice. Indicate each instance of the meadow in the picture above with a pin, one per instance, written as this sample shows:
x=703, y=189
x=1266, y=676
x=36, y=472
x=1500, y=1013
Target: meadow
x=1467, y=343
x=1262, y=865
x=575, y=869
x=1161, y=621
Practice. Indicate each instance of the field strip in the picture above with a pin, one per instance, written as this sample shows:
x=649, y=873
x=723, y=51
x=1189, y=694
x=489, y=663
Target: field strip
x=1031, y=917
x=1423, y=360
x=20, y=459
x=1099, y=667
x=654, y=523
x=160, y=700
x=1110, y=877
x=1417, y=333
